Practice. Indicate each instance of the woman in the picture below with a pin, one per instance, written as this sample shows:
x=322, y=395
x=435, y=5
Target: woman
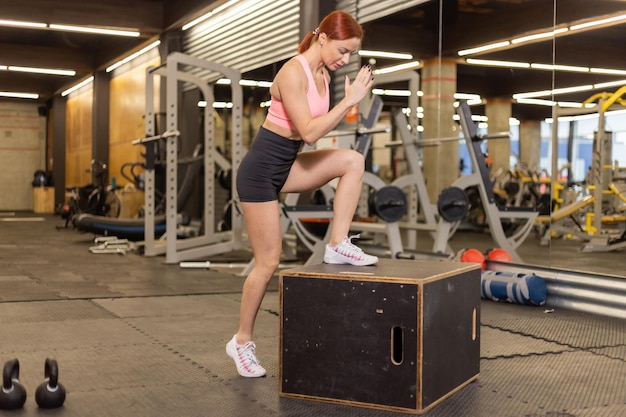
x=299, y=113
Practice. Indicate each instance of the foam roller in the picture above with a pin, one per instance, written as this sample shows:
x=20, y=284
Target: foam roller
x=519, y=288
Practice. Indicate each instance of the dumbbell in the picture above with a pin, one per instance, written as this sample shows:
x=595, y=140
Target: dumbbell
x=50, y=394
x=13, y=394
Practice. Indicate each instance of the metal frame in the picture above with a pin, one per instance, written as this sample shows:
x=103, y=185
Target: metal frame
x=592, y=242
x=176, y=71
x=524, y=216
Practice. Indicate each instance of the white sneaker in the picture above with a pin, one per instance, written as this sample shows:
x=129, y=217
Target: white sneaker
x=245, y=359
x=347, y=253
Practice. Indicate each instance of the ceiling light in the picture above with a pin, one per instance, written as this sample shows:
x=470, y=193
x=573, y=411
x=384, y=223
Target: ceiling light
x=607, y=71
x=492, y=63
x=17, y=23
x=543, y=34
x=384, y=54
x=570, y=104
x=77, y=86
x=48, y=71
x=101, y=31
x=617, y=83
x=536, y=101
x=547, y=67
x=216, y=104
x=576, y=89
x=531, y=94
x=395, y=93
x=544, y=93
x=598, y=22
x=133, y=56
x=484, y=48
x=466, y=96
x=18, y=95
x=559, y=67
x=246, y=83
x=395, y=68
x=537, y=36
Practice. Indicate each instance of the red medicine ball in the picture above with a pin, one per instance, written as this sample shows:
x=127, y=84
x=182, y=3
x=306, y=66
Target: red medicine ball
x=498, y=254
x=474, y=256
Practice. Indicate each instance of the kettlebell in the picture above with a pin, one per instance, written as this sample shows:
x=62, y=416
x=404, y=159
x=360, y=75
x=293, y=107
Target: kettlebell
x=50, y=394
x=13, y=394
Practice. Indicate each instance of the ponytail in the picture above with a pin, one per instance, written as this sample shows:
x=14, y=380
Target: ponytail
x=306, y=42
x=338, y=25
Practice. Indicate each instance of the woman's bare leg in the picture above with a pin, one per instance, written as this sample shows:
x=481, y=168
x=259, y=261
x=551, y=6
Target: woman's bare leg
x=313, y=169
x=263, y=227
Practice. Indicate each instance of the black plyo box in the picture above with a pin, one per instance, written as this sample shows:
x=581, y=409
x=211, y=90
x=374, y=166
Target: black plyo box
x=402, y=335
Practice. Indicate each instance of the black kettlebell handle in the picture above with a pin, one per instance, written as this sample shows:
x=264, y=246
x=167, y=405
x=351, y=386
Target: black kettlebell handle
x=51, y=373
x=10, y=373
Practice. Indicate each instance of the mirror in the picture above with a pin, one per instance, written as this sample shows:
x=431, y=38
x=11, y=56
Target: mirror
x=548, y=43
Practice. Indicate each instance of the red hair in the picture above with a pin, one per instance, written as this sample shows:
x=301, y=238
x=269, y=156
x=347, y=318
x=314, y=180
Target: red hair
x=337, y=25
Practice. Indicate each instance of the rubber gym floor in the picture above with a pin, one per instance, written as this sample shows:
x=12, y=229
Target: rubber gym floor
x=135, y=337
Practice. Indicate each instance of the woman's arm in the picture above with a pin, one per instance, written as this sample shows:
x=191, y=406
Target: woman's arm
x=291, y=83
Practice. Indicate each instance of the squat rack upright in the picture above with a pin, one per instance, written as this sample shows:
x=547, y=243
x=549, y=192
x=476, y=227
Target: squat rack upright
x=178, y=71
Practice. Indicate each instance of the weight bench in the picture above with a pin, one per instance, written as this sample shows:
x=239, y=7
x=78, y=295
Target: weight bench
x=556, y=221
x=480, y=178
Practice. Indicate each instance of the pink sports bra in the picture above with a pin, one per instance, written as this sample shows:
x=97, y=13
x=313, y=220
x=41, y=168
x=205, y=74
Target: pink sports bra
x=317, y=104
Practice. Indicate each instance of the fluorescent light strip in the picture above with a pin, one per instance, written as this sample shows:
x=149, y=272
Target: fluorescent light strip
x=618, y=83
x=484, y=48
x=536, y=36
x=566, y=90
x=598, y=22
x=607, y=71
x=133, y=56
x=543, y=35
x=394, y=93
x=77, y=86
x=384, y=54
x=18, y=23
x=544, y=93
x=466, y=96
x=535, y=101
x=70, y=28
x=575, y=89
x=395, y=68
x=216, y=104
x=101, y=31
x=492, y=63
x=11, y=94
x=246, y=83
x=548, y=67
x=48, y=71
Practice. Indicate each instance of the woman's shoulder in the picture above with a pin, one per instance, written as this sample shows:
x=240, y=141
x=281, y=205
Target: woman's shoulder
x=292, y=69
x=295, y=63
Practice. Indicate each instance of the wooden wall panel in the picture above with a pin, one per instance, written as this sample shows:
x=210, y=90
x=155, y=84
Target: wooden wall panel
x=78, y=139
x=127, y=109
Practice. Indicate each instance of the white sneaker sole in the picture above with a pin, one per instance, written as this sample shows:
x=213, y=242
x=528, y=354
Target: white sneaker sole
x=350, y=262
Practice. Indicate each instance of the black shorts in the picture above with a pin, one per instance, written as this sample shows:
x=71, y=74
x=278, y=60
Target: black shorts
x=264, y=169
